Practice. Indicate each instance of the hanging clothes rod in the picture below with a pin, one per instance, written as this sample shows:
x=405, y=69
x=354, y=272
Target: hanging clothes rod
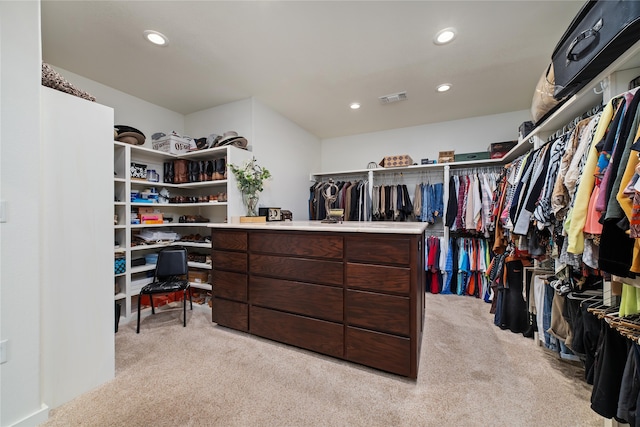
x=480, y=169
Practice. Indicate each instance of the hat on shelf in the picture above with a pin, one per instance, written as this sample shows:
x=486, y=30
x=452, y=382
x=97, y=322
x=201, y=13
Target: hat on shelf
x=232, y=138
x=129, y=135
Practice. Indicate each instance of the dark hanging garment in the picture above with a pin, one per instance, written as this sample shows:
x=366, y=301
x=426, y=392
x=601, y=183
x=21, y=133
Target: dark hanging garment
x=609, y=369
x=407, y=205
x=514, y=310
x=616, y=249
x=353, y=210
x=590, y=337
x=452, y=203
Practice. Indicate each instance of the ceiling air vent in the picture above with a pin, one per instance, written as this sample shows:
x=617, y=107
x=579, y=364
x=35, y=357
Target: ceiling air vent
x=395, y=97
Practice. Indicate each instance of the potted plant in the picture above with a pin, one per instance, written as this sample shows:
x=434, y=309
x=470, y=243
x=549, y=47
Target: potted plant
x=250, y=179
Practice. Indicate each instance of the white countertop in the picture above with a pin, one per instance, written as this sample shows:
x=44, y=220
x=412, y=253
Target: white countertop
x=346, y=226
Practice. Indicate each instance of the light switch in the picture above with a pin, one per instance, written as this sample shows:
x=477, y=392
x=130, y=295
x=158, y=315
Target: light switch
x=3, y=211
x=3, y=351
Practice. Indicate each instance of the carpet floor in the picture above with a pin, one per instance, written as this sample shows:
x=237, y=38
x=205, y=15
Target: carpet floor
x=471, y=373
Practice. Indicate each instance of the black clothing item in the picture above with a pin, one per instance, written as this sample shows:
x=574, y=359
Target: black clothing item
x=388, y=203
x=616, y=249
x=515, y=315
x=452, y=204
x=573, y=315
x=590, y=339
x=353, y=209
x=609, y=369
x=630, y=389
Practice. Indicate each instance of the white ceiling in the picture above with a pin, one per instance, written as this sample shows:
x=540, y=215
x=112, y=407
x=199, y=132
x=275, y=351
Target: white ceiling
x=309, y=60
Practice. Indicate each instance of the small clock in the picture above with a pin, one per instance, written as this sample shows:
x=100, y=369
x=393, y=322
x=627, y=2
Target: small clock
x=274, y=214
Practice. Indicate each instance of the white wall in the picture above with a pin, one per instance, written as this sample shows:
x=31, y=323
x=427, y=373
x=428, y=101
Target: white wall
x=20, y=274
x=426, y=141
x=290, y=153
x=77, y=346
x=129, y=110
x=234, y=116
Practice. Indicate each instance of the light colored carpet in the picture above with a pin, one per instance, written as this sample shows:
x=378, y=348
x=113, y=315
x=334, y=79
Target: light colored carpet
x=471, y=374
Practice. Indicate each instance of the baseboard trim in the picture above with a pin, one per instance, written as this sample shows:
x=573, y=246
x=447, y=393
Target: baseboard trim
x=34, y=419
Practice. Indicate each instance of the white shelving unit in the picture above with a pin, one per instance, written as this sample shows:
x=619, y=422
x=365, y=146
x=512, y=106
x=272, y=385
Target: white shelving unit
x=134, y=278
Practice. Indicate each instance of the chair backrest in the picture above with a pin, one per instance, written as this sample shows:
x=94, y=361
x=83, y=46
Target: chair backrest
x=172, y=261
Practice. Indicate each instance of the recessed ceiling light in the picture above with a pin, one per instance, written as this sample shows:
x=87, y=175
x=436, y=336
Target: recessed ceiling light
x=444, y=87
x=355, y=105
x=156, y=38
x=445, y=36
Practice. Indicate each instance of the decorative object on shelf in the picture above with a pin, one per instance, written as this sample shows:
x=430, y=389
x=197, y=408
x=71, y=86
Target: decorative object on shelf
x=271, y=214
x=164, y=196
x=286, y=215
x=330, y=193
x=51, y=78
x=174, y=143
x=498, y=150
x=138, y=170
x=250, y=180
x=152, y=175
x=129, y=135
x=120, y=264
x=396, y=161
x=446, y=156
x=232, y=138
x=372, y=165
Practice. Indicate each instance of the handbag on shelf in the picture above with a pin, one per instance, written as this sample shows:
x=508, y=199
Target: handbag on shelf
x=544, y=103
x=601, y=32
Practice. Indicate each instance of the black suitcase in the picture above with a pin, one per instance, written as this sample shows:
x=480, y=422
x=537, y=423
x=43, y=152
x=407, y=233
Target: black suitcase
x=597, y=36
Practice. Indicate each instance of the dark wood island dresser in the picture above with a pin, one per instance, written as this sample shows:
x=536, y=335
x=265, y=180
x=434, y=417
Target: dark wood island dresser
x=353, y=290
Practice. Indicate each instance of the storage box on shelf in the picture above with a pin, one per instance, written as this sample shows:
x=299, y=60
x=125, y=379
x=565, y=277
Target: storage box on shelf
x=172, y=144
x=168, y=208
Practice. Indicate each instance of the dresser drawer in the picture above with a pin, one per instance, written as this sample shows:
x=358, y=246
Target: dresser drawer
x=379, y=278
x=386, y=313
x=316, y=335
x=386, y=352
x=323, y=302
x=229, y=240
x=230, y=285
x=231, y=314
x=299, y=269
x=234, y=261
x=379, y=249
x=310, y=245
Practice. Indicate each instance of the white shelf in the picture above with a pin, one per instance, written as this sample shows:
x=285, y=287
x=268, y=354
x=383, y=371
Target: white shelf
x=145, y=183
x=119, y=296
x=122, y=180
x=200, y=265
x=205, y=286
x=119, y=203
x=149, y=153
x=193, y=244
x=142, y=268
x=172, y=224
x=146, y=247
x=178, y=205
x=176, y=243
